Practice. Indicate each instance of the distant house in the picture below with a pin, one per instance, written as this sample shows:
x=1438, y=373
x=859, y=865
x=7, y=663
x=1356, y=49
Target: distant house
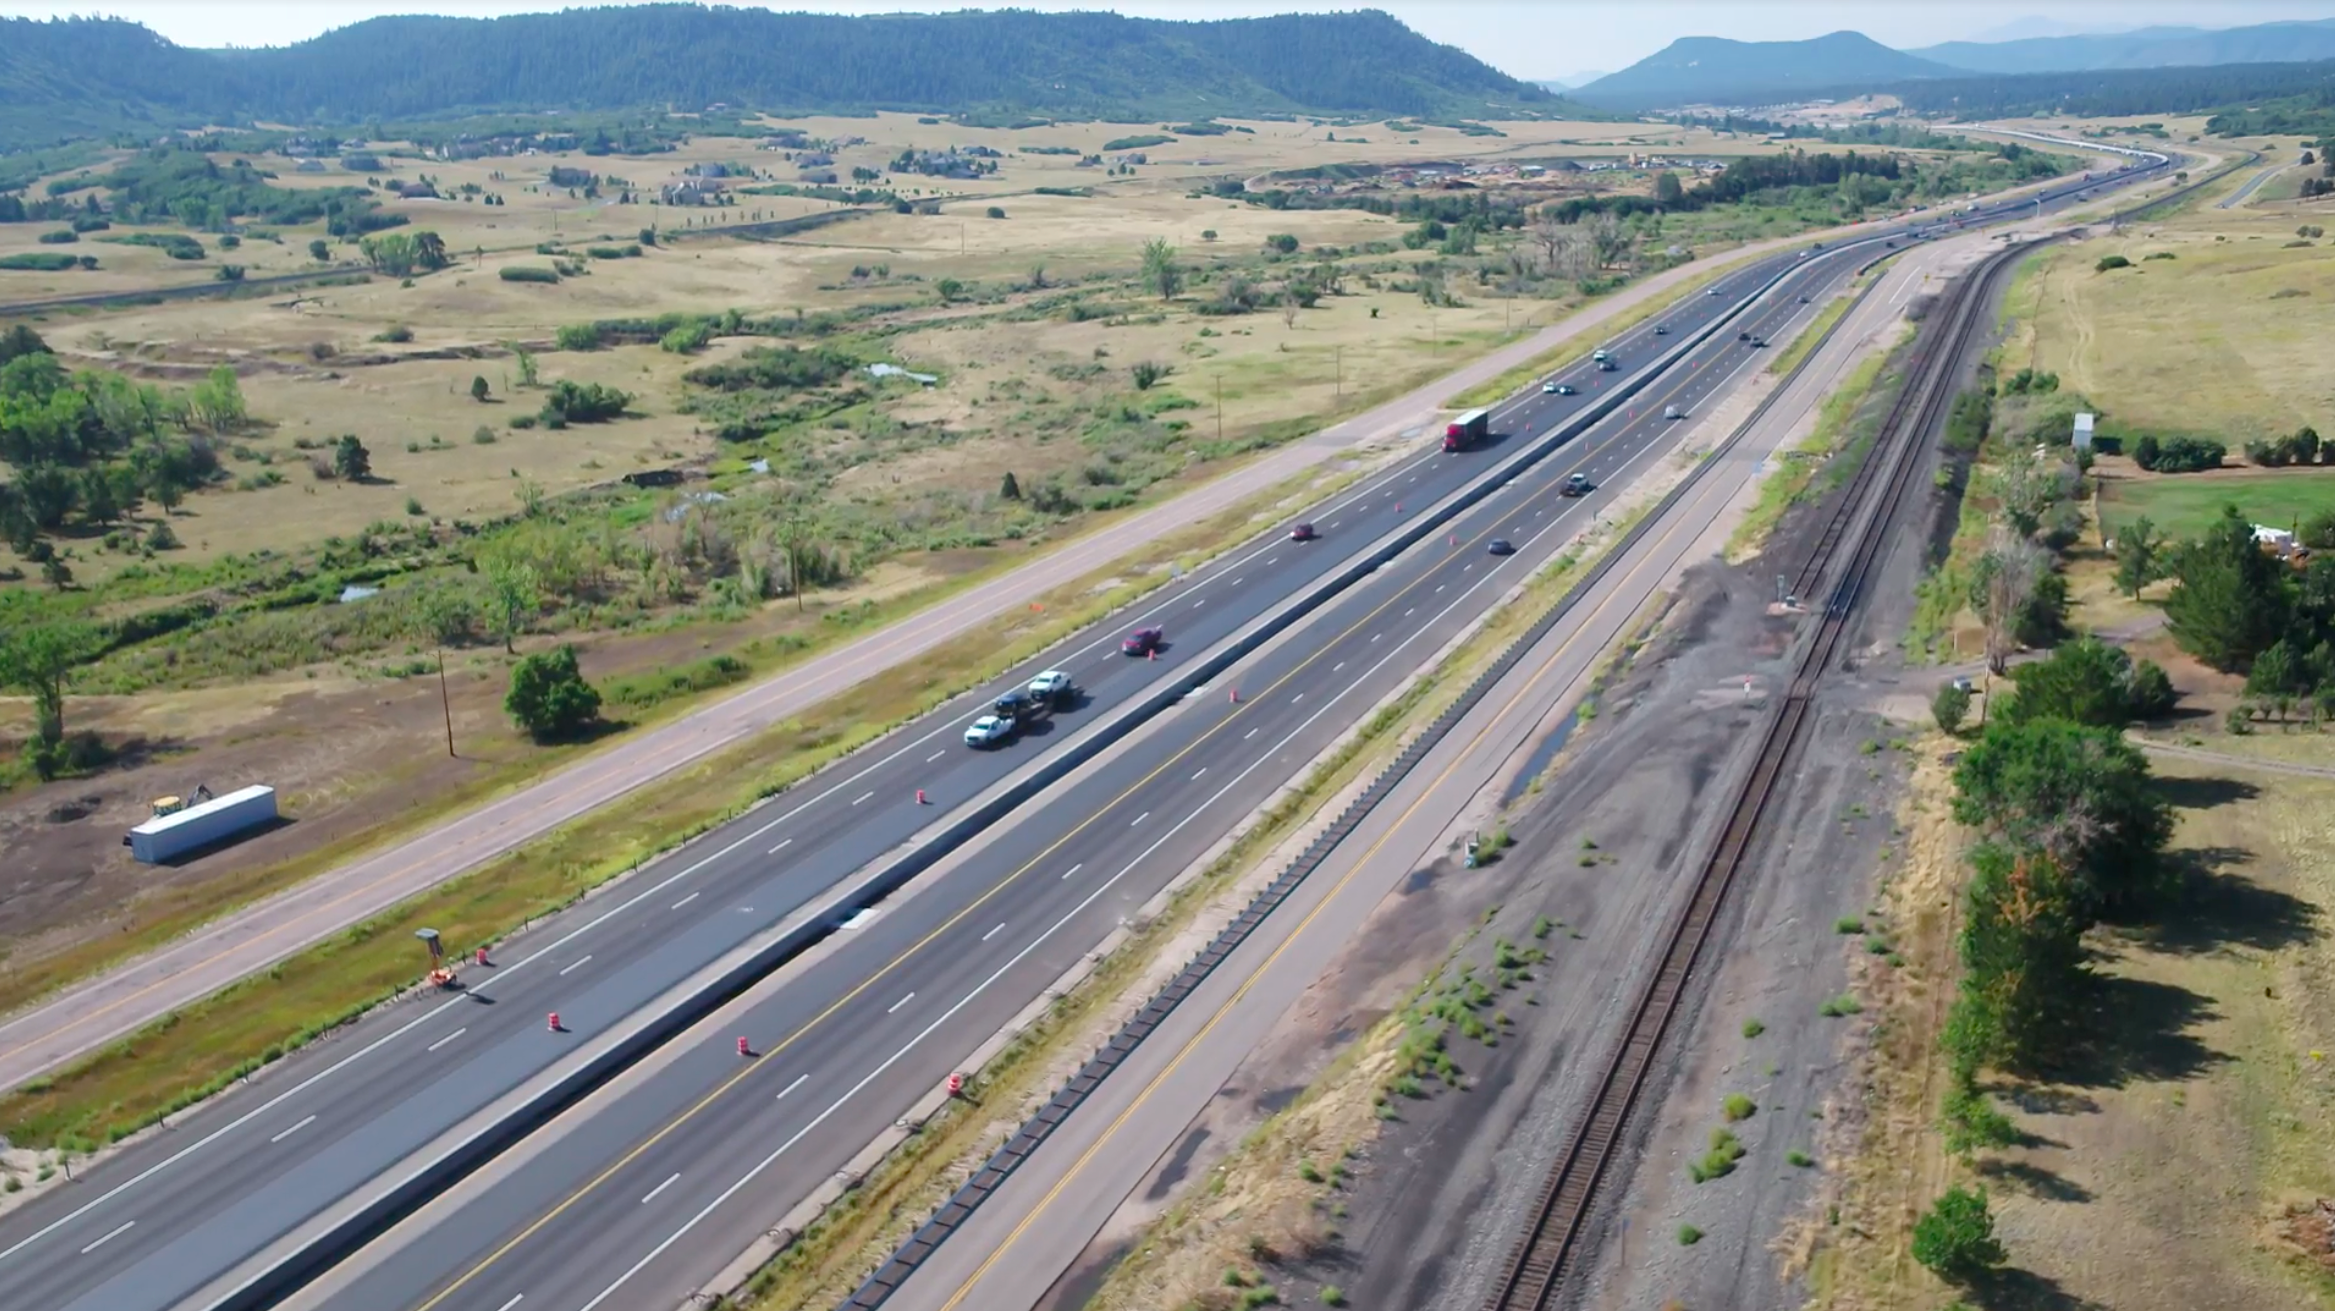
x=414, y=190
x=309, y=166
x=693, y=191
x=2277, y=541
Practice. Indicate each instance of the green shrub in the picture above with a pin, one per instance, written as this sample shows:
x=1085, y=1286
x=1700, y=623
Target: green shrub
x=38, y=261
x=2108, y=262
x=1738, y=1108
x=548, y=696
x=1844, y=1004
x=1688, y=1235
x=1726, y=1149
x=527, y=273
x=1955, y=1240
x=1950, y=706
x=1753, y=1028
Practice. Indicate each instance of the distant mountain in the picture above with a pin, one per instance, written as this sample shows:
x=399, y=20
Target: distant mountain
x=1571, y=81
x=1711, y=70
x=70, y=76
x=2023, y=29
x=2147, y=47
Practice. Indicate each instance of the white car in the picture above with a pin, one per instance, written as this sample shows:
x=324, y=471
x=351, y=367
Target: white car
x=1051, y=687
x=989, y=731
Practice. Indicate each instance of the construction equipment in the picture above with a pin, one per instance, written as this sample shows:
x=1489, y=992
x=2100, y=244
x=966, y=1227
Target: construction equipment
x=441, y=974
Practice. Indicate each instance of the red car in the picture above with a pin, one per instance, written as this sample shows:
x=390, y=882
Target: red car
x=1303, y=533
x=1143, y=641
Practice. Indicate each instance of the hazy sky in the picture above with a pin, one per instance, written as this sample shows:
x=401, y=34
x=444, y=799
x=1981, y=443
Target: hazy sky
x=1528, y=38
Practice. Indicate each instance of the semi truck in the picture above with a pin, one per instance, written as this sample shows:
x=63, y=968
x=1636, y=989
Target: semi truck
x=1468, y=431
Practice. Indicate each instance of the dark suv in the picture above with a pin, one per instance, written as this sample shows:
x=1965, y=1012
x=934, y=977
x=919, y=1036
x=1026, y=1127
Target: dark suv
x=1143, y=641
x=1020, y=707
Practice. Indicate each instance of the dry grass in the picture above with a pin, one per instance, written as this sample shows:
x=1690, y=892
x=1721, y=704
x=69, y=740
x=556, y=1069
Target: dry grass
x=1884, y=1158
x=1257, y=1208
x=2213, y=1066
x=2254, y=316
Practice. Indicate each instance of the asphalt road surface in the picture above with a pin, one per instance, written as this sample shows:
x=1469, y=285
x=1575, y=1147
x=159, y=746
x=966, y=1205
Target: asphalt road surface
x=1124, y=1143
x=156, y=1223
x=641, y=1195
x=137, y=992
x=225, y=1182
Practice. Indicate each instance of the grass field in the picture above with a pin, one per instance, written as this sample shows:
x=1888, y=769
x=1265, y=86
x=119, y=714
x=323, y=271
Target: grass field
x=2183, y=504
x=2227, y=338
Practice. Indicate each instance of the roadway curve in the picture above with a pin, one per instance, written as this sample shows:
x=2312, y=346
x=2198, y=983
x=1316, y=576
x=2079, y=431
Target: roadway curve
x=87, y=1015
x=185, y=1207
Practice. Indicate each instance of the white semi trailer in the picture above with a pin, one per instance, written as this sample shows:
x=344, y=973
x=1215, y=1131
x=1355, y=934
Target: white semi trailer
x=167, y=837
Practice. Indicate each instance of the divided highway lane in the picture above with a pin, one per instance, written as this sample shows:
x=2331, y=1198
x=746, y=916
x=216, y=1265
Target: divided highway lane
x=637, y=1198
x=243, y=1173
x=224, y=1182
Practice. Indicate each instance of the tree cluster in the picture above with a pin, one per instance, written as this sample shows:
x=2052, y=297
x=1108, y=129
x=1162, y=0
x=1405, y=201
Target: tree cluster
x=86, y=448
x=1083, y=65
x=588, y=402
x=2178, y=454
x=403, y=254
x=2072, y=832
x=2299, y=447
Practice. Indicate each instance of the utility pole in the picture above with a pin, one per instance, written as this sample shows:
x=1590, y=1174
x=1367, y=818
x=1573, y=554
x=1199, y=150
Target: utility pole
x=446, y=704
x=1338, y=376
x=1219, y=407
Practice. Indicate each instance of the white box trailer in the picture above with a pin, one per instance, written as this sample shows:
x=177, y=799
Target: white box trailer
x=165, y=837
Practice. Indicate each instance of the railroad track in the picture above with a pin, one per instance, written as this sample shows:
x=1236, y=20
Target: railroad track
x=1545, y=1253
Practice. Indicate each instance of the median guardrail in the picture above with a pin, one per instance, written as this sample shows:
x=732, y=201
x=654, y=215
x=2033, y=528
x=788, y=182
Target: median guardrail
x=270, y=1276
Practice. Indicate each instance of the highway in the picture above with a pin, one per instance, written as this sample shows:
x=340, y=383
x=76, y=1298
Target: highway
x=1135, y=1138
x=866, y=1031
x=639, y=1196
x=204, y=1196
x=974, y=944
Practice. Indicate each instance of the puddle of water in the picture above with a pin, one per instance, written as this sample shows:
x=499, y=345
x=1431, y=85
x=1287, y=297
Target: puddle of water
x=1542, y=754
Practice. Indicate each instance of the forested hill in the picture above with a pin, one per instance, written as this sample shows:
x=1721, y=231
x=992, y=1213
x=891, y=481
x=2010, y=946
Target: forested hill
x=1091, y=65
x=1709, y=70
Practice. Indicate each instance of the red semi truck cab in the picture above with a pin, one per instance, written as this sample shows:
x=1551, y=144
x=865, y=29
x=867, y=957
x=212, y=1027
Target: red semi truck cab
x=1468, y=431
